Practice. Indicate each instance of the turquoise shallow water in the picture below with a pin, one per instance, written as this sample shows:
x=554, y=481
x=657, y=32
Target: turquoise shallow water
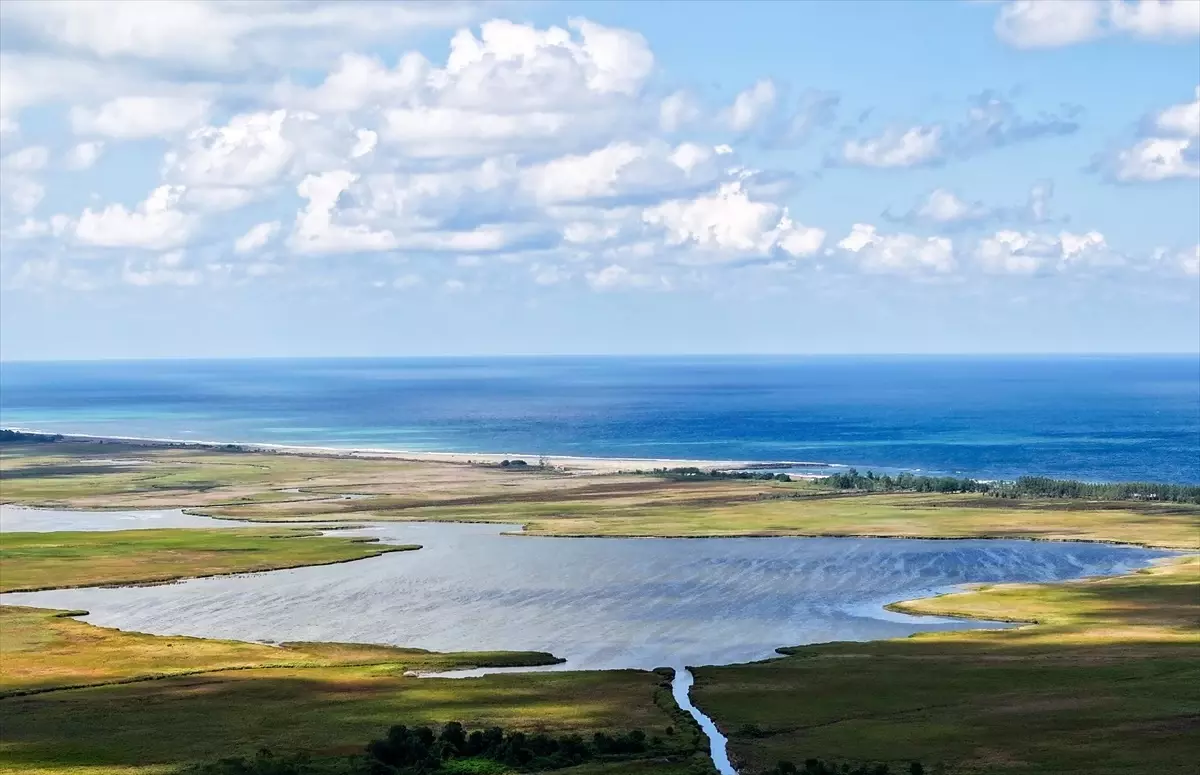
x=1095, y=418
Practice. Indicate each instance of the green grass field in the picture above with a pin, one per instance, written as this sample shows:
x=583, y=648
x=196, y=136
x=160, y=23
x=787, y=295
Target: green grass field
x=157, y=726
x=1108, y=683
x=31, y=561
x=1103, y=685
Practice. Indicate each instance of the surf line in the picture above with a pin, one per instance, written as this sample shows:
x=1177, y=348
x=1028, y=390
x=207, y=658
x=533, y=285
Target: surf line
x=681, y=687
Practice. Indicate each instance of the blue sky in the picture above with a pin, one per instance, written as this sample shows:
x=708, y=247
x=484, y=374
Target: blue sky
x=207, y=178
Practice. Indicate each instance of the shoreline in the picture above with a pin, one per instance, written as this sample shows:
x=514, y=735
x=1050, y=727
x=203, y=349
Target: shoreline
x=572, y=464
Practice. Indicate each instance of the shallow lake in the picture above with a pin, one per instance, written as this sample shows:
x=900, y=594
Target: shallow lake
x=600, y=603
x=18, y=519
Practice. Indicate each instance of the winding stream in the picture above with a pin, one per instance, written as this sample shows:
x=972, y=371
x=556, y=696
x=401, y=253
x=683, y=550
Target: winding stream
x=718, y=744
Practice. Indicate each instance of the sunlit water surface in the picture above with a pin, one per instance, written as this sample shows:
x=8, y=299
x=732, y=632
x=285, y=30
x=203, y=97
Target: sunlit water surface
x=600, y=603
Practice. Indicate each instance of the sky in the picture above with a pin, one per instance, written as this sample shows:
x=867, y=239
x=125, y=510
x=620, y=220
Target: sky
x=230, y=178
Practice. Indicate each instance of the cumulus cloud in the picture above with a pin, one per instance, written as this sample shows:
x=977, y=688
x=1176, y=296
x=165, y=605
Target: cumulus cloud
x=155, y=224
x=83, y=155
x=895, y=148
x=1186, y=261
x=1013, y=252
x=512, y=88
x=1055, y=23
x=751, y=106
x=728, y=224
x=135, y=117
x=316, y=230
x=256, y=237
x=677, y=111
x=1170, y=151
x=898, y=253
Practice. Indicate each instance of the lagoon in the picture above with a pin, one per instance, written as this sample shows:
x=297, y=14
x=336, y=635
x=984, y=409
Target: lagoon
x=601, y=603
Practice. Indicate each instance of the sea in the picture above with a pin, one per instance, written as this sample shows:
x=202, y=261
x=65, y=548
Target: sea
x=1096, y=418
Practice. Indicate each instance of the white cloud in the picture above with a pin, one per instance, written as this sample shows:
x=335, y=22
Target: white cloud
x=1055, y=23
x=516, y=88
x=751, y=106
x=616, y=276
x=1013, y=252
x=31, y=79
x=1049, y=23
x=24, y=194
x=676, y=111
x=257, y=237
x=582, y=177
x=155, y=224
x=898, y=253
x=18, y=189
x=250, y=151
x=364, y=144
x=219, y=34
x=83, y=155
x=29, y=159
x=912, y=147
x=991, y=122
x=132, y=117
x=729, y=224
x=315, y=230
x=1158, y=158
x=1182, y=120
x=1156, y=19
x=1186, y=261
x=1170, y=151
x=943, y=206
x=653, y=170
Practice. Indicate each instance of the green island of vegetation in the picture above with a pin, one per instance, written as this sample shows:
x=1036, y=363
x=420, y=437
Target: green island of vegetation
x=1104, y=683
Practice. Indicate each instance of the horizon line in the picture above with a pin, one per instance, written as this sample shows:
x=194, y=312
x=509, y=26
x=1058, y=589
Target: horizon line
x=548, y=356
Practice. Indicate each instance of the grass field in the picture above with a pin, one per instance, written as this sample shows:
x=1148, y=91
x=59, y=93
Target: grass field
x=1108, y=683
x=156, y=726
x=46, y=650
x=276, y=487
x=1105, y=684
x=31, y=561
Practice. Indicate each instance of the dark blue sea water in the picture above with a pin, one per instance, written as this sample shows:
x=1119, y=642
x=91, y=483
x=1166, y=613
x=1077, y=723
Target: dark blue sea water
x=1095, y=418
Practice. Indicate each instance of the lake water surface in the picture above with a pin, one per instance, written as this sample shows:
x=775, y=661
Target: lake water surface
x=600, y=603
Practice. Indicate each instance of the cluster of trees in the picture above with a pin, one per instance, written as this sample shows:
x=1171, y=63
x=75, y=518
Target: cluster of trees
x=422, y=750
x=1040, y=486
x=518, y=463
x=851, y=479
x=10, y=436
x=692, y=473
x=818, y=767
x=1023, y=487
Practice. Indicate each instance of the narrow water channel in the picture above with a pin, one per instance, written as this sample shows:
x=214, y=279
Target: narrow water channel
x=718, y=745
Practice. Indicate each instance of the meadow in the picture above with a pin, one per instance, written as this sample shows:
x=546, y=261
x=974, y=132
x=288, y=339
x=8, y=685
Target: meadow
x=1102, y=683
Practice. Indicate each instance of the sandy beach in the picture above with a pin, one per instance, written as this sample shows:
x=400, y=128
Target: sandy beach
x=571, y=464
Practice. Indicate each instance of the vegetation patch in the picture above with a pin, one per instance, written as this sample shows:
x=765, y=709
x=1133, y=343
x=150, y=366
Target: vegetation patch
x=35, y=561
x=1107, y=683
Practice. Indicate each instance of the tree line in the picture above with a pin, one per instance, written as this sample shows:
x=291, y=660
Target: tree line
x=819, y=767
x=423, y=750
x=1022, y=487
x=7, y=435
x=692, y=473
